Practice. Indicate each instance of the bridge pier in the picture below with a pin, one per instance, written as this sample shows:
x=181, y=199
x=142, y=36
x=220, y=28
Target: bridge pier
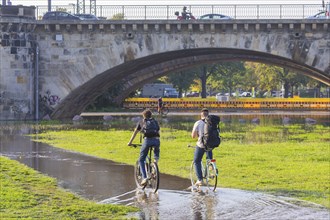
x=17, y=71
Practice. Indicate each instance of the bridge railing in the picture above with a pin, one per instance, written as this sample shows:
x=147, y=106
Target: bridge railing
x=166, y=12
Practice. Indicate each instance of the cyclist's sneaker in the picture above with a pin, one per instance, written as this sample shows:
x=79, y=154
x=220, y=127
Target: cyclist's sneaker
x=199, y=183
x=144, y=182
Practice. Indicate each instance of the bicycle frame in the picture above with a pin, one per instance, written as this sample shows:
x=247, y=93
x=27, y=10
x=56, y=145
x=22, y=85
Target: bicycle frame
x=152, y=172
x=209, y=174
x=163, y=111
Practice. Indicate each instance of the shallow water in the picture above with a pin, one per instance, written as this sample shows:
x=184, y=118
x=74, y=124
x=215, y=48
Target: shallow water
x=107, y=182
x=90, y=177
x=223, y=204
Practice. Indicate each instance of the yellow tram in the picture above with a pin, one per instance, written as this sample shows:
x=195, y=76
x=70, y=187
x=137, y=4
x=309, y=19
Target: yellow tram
x=319, y=104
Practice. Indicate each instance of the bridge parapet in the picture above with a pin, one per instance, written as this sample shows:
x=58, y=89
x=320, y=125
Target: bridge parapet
x=17, y=11
x=191, y=26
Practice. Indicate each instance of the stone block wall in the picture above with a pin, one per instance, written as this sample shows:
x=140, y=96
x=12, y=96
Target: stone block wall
x=17, y=75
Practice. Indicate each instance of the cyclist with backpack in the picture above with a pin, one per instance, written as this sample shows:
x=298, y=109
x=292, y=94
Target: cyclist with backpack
x=159, y=105
x=149, y=127
x=206, y=130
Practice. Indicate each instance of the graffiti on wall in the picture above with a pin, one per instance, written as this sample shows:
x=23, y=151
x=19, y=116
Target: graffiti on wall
x=48, y=102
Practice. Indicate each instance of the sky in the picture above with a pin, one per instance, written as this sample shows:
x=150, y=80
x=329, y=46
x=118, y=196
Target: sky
x=166, y=2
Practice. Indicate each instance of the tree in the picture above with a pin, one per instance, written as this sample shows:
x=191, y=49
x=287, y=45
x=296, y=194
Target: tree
x=227, y=76
x=203, y=72
x=268, y=77
x=181, y=80
x=61, y=9
x=118, y=16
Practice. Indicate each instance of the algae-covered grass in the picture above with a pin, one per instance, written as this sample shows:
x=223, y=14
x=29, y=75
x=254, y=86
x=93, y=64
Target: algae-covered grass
x=283, y=160
x=27, y=194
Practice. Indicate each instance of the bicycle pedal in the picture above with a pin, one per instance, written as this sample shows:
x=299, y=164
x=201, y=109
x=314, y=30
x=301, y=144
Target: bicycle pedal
x=194, y=189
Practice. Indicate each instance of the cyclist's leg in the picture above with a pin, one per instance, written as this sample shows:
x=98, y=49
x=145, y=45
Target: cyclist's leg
x=209, y=155
x=156, y=144
x=198, y=155
x=143, y=154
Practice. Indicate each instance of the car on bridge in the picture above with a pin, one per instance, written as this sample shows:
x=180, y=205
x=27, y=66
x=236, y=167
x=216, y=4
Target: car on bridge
x=59, y=15
x=87, y=17
x=214, y=17
x=320, y=15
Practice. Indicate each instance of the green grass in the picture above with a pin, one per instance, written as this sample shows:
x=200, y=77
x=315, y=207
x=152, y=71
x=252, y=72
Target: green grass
x=280, y=160
x=27, y=194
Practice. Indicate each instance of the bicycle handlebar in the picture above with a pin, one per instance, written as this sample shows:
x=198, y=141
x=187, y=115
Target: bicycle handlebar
x=135, y=145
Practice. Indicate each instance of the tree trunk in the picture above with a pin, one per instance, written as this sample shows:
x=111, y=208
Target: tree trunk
x=203, y=81
x=286, y=89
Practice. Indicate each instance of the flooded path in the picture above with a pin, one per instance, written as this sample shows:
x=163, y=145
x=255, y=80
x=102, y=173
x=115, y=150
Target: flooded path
x=107, y=182
x=91, y=177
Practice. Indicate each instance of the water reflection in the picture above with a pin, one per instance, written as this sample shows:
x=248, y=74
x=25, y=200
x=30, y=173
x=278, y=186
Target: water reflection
x=203, y=206
x=148, y=202
x=224, y=204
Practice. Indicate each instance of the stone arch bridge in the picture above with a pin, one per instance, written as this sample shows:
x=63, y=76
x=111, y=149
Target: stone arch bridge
x=70, y=64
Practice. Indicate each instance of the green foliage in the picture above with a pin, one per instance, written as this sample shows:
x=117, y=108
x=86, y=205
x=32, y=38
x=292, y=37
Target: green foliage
x=119, y=16
x=287, y=160
x=180, y=80
x=228, y=76
x=61, y=9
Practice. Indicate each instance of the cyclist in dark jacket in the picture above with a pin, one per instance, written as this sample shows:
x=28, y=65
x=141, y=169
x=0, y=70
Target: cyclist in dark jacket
x=150, y=141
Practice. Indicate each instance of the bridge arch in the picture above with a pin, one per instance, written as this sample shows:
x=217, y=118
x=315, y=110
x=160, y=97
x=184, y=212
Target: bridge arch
x=68, y=63
x=133, y=74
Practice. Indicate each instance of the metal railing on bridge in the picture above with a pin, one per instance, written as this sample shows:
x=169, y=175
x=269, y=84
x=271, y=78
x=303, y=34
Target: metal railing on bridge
x=166, y=12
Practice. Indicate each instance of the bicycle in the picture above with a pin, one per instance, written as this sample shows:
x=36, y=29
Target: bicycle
x=209, y=173
x=151, y=170
x=163, y=111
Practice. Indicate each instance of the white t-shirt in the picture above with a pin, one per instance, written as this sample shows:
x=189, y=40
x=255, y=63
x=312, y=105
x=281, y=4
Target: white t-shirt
x=199, y=127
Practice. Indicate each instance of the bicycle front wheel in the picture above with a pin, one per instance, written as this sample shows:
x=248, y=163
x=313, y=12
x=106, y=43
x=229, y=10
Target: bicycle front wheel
x=138, y=175
x=193, y=177
x=212, y=176
x=154, y=177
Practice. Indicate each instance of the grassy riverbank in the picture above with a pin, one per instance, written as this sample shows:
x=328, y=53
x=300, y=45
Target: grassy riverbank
x=27, y=194
x=291, y=161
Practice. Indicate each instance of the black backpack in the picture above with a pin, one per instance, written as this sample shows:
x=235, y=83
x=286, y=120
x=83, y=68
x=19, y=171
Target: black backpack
x=211, y=138
x=150, y=128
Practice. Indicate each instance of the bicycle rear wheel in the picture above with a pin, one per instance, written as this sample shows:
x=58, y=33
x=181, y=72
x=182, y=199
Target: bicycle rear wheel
x=154, y=111
x=154, y=177
x=165, y=111
x=193, y=177
x=212, y=176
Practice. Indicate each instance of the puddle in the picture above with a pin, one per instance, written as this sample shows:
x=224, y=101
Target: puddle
x=90, y=177
x=223, y=204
